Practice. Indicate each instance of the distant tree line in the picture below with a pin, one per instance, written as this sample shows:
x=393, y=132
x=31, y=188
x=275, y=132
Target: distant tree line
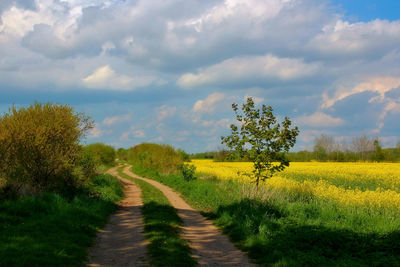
x=361, y=148
x=325, y=148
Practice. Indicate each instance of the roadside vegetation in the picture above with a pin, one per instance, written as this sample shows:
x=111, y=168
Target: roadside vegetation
x=163, y=158
x=53, y=196
x=282, y=228
x=162, y=228
x=53, y=229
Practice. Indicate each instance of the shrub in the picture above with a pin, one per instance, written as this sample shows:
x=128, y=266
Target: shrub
x=103, y=153
x=163, y=158
x=188, y=171
x=39, y=147
x=122, y=154
x=87, y=165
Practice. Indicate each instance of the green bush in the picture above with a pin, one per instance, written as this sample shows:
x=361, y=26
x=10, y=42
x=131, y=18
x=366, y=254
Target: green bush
x=122, y=154
x=39, y=147
x=188, y=171
x=163, y=158
x=103, y=153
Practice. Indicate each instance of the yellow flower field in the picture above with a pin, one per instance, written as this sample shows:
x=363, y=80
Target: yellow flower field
x=371, y=185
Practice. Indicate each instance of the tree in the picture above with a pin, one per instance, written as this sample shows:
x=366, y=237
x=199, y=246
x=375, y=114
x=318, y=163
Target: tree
x=378, y=153
x=39, y=146
x=261, y=139
x=363, y=146
x=323, y=145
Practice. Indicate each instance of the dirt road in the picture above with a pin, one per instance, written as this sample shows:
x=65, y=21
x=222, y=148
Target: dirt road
x=209, y=246
x=122, y=242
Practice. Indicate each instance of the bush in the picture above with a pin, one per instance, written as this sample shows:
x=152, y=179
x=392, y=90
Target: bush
x=39, y=147
x=188, y=171
x=163, y=158
x=87, y=165
x=103, y=153
x=122, y=154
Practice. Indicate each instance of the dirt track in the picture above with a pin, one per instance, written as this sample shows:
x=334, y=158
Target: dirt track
x=209, y=246
x=121, y=242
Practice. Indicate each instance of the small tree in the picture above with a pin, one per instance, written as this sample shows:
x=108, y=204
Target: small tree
x=261, y=139
x=39, y=146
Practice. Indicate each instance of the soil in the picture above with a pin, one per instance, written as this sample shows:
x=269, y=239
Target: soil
x=209, y=246
x=122, y=242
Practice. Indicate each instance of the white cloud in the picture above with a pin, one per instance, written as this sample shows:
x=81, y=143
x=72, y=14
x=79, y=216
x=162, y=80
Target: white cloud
x=234, y=8
x=133, y=132
x=249, y=68
x=379, y=85
x=106, y=78
x=209, y=104
x=109, y=121
x=164, y=112
x=355, y=39
x=95, y=132
x=257, y=100
x=319, y=119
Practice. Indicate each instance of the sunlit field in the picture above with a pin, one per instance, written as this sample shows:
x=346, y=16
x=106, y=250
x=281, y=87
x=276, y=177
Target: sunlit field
x=368, y=185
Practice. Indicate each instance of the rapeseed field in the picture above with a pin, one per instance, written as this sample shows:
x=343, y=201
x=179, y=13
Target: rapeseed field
x=371, y=186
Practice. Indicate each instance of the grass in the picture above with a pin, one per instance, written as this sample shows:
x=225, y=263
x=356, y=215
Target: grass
x=162, y=228
x=55, y=230
x=291, y=230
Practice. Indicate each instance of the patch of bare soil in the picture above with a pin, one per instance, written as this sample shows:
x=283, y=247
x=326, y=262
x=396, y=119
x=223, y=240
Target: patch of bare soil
x=209, y=246
x=122, y=242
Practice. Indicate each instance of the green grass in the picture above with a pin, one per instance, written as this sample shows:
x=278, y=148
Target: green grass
x=292, y=230
x=55, y=230
x=162, y=228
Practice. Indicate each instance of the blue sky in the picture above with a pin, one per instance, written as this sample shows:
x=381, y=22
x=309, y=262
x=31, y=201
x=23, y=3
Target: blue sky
x=168, y=71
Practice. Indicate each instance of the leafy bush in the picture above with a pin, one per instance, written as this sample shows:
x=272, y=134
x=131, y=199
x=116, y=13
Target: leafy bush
x=103, y=153
x=87, y=165
x=122, y=153
x=188, y=171
x=163, y=158
x=39, y=147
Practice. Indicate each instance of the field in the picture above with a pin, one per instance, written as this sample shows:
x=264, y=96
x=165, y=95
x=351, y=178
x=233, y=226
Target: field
x=313, y=214
x=369, y=186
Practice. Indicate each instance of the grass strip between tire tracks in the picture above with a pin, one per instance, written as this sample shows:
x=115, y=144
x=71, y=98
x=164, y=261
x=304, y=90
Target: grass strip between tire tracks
x=162, y=228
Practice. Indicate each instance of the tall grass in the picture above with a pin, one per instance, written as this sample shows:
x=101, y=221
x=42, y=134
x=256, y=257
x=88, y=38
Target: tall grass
x=55, y=230
x=292, y=229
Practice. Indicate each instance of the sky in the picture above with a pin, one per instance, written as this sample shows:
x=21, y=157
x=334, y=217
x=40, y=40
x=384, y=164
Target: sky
x=168, y=71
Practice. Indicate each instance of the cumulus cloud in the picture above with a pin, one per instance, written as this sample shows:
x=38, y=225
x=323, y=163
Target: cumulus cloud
x=257, y=100
x=248, y=69
x=106, y=78
x=133, y=132
x=320, y=120
x=293, y=51
x=231, y=8
x=95, y=132
x=164, y=112
x=358, y=39
x=378, y=85
x=109, y=121
x=209, y=104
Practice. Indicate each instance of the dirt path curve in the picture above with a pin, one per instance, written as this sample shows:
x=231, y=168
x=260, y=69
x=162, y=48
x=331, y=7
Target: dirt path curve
x=209, y=246
x=121, y=242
